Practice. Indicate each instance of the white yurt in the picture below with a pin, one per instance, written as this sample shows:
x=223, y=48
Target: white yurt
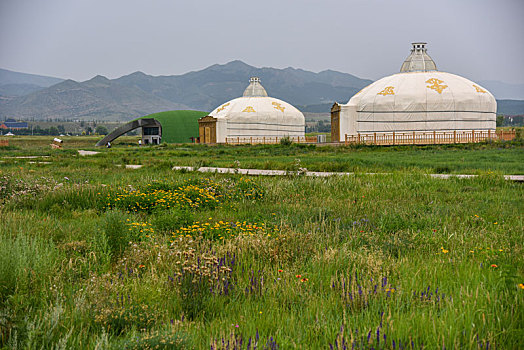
x=253, y=117
x=419, y=98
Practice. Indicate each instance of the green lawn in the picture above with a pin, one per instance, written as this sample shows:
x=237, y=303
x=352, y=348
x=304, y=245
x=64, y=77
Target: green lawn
x=97, y=256
x=502, y=158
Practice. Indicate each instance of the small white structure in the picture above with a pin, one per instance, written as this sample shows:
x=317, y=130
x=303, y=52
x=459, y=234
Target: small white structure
x=254, y=115
x=151, y=135
x=419, y=98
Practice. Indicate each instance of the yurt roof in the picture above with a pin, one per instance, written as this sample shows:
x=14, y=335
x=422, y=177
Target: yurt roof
x=255, y=102
x=416, y=91
x=255, y=89
x=420, y=86
x=418, y=60
x=254, y=106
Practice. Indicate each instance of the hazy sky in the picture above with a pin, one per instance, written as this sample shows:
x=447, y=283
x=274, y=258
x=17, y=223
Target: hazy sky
x=78, y=39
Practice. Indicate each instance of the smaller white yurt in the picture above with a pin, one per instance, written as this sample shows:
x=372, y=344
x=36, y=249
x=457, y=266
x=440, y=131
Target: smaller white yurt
x=254, y=117
x=418, y=99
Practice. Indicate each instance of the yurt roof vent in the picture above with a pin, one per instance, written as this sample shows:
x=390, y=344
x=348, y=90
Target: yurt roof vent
x=255, y=89
x=418, y=60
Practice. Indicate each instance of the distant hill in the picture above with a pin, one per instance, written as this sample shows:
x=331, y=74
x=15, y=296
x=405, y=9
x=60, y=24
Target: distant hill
x=510, y=107
x=19, y=84
x=22, y=95
x=10, y=77
x=320, y=108
x=139, y=94
x=208, y=88
x=19, y=89
x=98, y=98
x=504, y=91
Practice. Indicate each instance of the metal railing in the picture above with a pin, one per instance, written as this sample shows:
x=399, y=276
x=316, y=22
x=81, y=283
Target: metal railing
x=428, y=137
x=269, y=140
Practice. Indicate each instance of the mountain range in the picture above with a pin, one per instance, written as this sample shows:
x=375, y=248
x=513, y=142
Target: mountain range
x=27, y=96
x=18, y=84
x=139, y=94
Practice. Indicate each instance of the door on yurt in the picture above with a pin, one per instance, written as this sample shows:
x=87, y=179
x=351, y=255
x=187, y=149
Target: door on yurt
x=207, y=134
x=335, y=123
x=207, y=129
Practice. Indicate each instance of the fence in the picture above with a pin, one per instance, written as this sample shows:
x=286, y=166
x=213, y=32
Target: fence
x=393, y=138
x=268, y=140
x=432, y=137
x=4, y=143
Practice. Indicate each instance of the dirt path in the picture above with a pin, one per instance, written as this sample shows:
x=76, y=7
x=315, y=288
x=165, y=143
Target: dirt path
x=263, y=172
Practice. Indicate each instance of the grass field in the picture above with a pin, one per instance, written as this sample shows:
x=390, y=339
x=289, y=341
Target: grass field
x=94, y=255
x=502, y=158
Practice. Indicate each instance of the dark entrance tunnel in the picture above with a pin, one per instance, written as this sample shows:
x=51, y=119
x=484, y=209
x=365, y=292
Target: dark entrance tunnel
x=135, y=124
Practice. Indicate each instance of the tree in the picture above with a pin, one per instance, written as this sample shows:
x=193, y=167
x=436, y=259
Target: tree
x=89, y=130
x=101, y=130
x=37, y=130
x=500, y=120
x=53, y=131
x=61, y=129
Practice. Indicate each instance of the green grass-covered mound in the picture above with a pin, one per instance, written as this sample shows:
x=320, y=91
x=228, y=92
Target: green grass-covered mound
x=178, y=126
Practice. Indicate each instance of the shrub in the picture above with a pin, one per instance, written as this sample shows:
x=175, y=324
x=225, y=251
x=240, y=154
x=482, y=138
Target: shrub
x=191, y=195
x=21, y=190
x=56, y=198
x=199, y=277
x=117, y=232
x=117, y=305
x=286, y=141
x=151, y=198
x=442, y=170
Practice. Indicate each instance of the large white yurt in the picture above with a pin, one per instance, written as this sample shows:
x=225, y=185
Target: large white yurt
x=254, y=116
x=419, y=98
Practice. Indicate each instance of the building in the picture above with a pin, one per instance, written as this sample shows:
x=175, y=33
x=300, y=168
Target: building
x=169, y=126
x=418, y=99
x=11, y=124
x=252, y=118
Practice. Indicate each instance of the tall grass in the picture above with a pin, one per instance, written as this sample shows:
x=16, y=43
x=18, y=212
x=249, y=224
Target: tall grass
x=293, y=262
x=27, y=266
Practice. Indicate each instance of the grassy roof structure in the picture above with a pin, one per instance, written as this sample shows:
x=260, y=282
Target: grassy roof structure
x=178, y=126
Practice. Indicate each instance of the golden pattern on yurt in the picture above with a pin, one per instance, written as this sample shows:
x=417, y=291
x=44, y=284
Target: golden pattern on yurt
x=277, y=105
x=222, y=107
x=479, y=89
x=388, y=90
x=436, y=85
x=249, y=109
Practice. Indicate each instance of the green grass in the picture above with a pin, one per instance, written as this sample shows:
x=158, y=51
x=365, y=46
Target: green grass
x=75, y=274
x=499, y=157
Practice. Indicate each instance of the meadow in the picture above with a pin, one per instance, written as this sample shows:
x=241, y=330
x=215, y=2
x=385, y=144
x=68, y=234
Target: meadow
x=97, y=256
